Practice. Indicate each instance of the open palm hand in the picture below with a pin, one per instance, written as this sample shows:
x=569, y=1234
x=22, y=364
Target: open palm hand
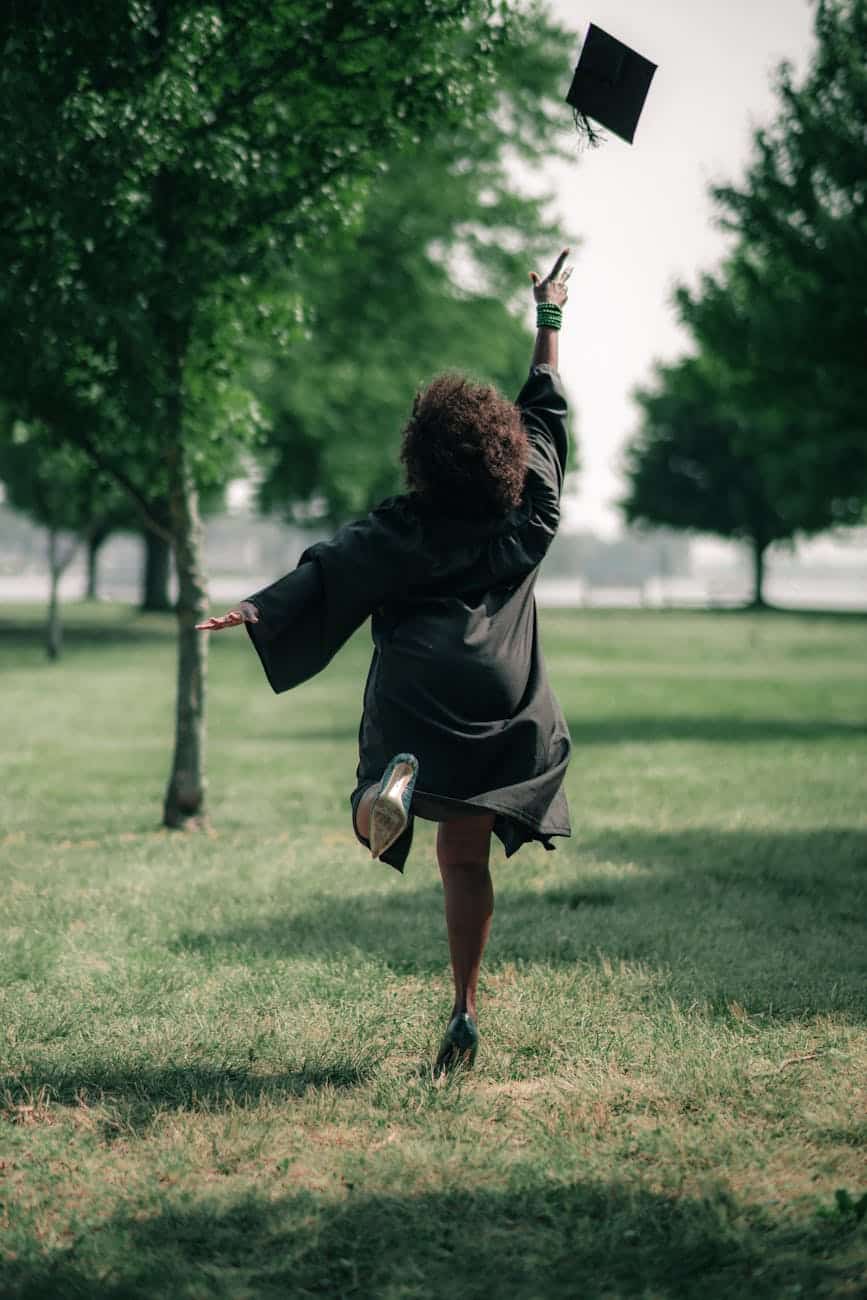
x=245, y=613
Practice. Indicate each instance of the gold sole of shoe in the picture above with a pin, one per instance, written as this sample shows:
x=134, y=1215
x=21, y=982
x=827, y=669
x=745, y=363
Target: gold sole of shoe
x=387, y=824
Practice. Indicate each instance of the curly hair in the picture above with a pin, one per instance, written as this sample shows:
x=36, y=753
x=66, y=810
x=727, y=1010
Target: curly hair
x=465, y=448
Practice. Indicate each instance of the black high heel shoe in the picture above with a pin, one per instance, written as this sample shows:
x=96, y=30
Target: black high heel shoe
x=459, y=1046
x=389, y=815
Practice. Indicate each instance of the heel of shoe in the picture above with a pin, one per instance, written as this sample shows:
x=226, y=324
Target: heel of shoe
x=459, y=1046
x=389, y=815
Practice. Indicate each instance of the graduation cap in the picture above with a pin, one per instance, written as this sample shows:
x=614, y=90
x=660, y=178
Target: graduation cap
x=610, y=85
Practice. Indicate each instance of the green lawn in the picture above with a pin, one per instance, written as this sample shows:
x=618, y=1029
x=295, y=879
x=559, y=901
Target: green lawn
x=215, y=1049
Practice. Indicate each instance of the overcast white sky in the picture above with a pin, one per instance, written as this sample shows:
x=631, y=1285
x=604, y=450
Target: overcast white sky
x=643, y=209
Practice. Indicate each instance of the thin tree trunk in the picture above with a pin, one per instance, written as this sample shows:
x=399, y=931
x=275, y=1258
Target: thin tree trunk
x=758, y=554
x=95, y=540
x=184, y=805
x=156, y=573
x=54, y=630
x=57, y=563
x=91, y=589
x=185, y=796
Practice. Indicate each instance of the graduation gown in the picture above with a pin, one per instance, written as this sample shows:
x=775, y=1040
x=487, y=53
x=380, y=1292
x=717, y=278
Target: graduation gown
x=457, y=675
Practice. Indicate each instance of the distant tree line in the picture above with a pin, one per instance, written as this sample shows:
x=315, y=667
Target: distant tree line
x=761, y=433
x=629, y=560
x=234, y=230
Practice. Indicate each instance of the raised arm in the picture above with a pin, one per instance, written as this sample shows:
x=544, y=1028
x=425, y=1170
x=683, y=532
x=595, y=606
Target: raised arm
x=552, y=290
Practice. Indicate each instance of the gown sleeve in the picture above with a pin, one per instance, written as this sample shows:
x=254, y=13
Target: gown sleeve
x=543, y=406
x=305, y=617
x=289, y=635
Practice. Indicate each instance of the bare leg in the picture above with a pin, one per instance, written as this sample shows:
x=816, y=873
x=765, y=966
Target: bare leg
x=463, y=851
x=362, y=812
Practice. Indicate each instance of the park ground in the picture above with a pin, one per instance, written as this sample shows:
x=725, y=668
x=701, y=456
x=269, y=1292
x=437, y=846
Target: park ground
x=215, y=1048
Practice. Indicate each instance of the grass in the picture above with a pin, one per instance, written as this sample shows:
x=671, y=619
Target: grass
x=215, y=1048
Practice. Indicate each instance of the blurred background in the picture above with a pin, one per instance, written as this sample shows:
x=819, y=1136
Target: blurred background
x=713, y=348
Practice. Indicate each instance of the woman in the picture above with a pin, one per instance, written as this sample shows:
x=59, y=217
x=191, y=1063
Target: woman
x=459, y=723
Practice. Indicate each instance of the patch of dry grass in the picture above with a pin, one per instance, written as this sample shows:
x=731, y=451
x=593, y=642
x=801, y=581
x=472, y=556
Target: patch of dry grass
x=215, y=1049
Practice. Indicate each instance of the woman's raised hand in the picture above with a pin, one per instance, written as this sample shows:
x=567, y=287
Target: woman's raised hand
x=553, y=287
x=245, y=613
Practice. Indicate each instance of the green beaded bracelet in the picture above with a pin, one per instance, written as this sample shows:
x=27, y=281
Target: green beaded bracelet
x=548, y=316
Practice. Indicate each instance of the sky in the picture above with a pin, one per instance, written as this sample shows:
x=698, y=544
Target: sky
x=643, y=210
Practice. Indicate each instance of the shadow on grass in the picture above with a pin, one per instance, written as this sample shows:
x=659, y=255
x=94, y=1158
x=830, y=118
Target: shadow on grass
x=130, y=627
x=136, y=1094
x=534, y=1239
x=293, y=734
x=774, y=611
x=771, y=920
x=631, y=730
x=709, y=729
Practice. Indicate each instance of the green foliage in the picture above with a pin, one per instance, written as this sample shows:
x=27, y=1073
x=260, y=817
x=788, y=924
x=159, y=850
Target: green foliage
x=431, y=276
x=693, y=465
x=763, y=434
x=161, y=160
x=783, y=321
x=56, y=485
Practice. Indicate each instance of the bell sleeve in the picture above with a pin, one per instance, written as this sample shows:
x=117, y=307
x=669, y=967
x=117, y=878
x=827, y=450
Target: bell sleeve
x=288, y=637
x=306, y=616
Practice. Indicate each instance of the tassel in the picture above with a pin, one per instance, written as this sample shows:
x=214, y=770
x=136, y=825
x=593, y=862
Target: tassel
x=587, y=134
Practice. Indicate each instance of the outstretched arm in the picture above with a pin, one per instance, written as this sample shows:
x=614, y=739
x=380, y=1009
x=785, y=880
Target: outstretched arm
x=553, y=290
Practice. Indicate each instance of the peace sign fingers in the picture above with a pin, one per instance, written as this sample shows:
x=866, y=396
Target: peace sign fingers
x=553, y=287
x=558, y=265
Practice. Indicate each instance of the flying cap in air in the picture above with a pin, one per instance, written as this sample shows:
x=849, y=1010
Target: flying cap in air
x=610, y=85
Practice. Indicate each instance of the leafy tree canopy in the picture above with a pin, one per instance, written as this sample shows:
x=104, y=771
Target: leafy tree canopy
x=783, y=320
x=691, y=466
x=55, y=485
x=432, y=276
x=173, y=157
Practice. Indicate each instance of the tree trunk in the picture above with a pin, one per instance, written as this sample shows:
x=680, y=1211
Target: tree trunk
x=95, y=540
x=53, y=630
x=758, y=553
x=57, y=563
x=156, y=573
x=184, y=806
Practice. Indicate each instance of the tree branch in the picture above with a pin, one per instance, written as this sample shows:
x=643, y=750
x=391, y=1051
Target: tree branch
x=149, y=518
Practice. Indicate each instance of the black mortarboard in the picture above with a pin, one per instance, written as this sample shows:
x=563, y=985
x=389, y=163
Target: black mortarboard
x=610, y=85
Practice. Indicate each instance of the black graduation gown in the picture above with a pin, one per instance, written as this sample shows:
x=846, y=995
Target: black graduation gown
x=457, y=675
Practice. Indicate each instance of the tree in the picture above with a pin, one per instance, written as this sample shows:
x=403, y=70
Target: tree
x=156, y=569
x=691, y=467
x=58, y=488
x=156, y=573
x=116, y=515
x=423, y=282
x=160, y=163
x=783, y=320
